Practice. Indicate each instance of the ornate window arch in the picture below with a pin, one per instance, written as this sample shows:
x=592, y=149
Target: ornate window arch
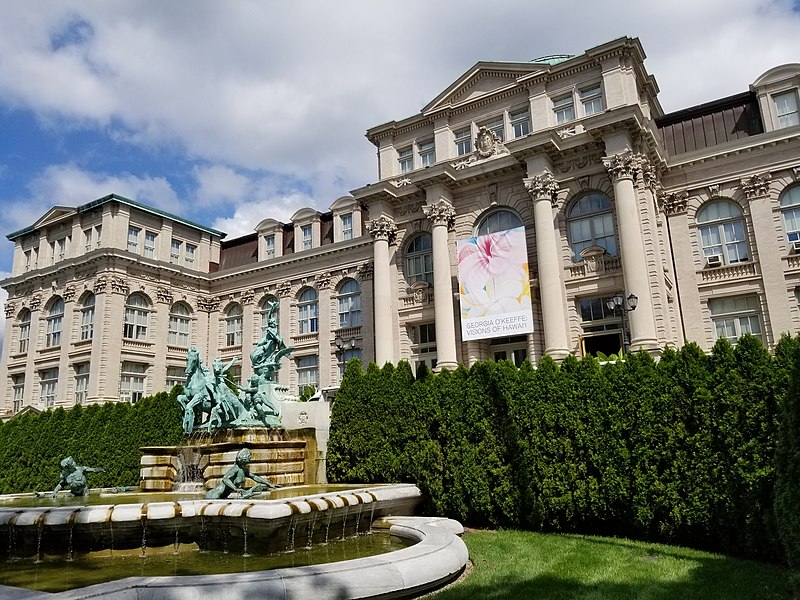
x=500, y=219
x=349, y=302
x=789, y=202
x=234, y=319
x=87, y=317
x=722, y=234
x=419, y=259
x=23, y=330
x=180, y=325
x=55, y=321
x=137, y=317
x=308, y=311
x=590, y=222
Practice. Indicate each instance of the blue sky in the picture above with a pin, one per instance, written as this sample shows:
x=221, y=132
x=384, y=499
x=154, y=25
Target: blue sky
x=229, y=112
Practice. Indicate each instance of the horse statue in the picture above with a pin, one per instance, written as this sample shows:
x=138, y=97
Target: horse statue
x=196, y=398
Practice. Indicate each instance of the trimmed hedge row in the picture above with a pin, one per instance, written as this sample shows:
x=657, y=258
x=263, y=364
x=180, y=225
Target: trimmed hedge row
x=108, y=435
x=681, y=450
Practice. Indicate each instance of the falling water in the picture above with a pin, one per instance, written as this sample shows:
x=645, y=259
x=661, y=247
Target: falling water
x=358, y=518
x=290, y=533
x=39, y=531
x=328, y=525
x=344, y=520
x=314, y=515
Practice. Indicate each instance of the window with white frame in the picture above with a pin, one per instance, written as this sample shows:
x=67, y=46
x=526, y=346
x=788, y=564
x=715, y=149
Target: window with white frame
x=264, y=309
x=520, y=122
x=175, y=252
x=790, y=208
x=29, y=260
x=591, y=99
x=48, y=381
x=497, y=127
x=786, y=108
x=87, y=317
x=24, y=331
x=722, y=235
x=347, y=356
x=423, y=344
x=190, y=253
x=55, y=319
x=735, y=316
x=81, y=383
x=149, y=244
x=233, y=325
x=349, y=304
x=175, y=376
x=17, y=392
x=347, y=226
x=307, y=372
x=419, y=259
x=235, y=373
x=132, y=381
x=308, y=236
x=98, y=231
x=269, y=246
x=179, y=322
x=133, y=239
x=591, y=223
x=137, y=314
x=87, y=240
x=307, y=312
x=564, y=109
x=58, y=250
x=427, y=153
x=513, y=349
x=498, y=220
x=463, y=141
x=405, y=156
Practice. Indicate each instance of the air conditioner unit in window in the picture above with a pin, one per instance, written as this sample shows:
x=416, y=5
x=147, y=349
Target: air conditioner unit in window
x=715, y=260
x=796, y=246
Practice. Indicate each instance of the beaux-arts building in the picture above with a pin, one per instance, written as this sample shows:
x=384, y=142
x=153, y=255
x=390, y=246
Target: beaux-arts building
x=696, y=212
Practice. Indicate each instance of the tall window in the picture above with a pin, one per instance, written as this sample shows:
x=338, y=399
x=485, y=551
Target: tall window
x=347, y=226
x=29, y=262
x=427, y=153
x=601, y=328
x=263, y=310
x=498, y=220
x=87, y=240
x=48, y=380
x=18, y=392
x=81, y=383
x=269, y=246
x=191, y=251
x=423, y=344
x=137, y=312
x=24, y=330
x=87, y=317
x=733, y=317
x=149, y=244
x=308, y=312
x=592, y=100
x=786, y=109
x=307, y=372
x=55, y=318
x=721, y=227
x=790, y=206
x=133, y=239
x=347, y=356
x=564, y=109
x=419, y=259
x=463, y=140
x=175, y=376
x=133, y=377
x=175, y=252
x=520, y=122
x=308, y=233
x=591, y=223
x=98, y=231
x=179, y=319
x=349, y=304
x=58, y=250
x=405, y=157
x=233, y=325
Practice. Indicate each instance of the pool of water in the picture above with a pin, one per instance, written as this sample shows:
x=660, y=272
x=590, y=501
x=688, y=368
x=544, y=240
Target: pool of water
x=59, y=573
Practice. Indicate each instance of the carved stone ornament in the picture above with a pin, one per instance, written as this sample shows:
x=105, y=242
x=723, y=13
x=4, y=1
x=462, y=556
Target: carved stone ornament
x=248, y=296
x=440, y=213
x=649, y=173
x=284, y=289
x=422, y=292
x=382, y=228
x=756, y=186
x=69, y=293
x=713, y=190
x=622, y=166
x=323, y=280
x=542, y=187
x=10, y=307
x=208, y=304
x=487, y=145
x=119, y=286
x=593, y=259
x=673, y=203
x=164, y=295
x=36, y=301
x=398, y=183
x=796, y=173
x=100, y=284
x=365, y=271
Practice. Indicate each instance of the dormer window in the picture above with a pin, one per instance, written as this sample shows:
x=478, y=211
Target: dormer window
x=786, y=109
x=308, y=232
x=269, y=246
x=405, y=157
x=347, y=226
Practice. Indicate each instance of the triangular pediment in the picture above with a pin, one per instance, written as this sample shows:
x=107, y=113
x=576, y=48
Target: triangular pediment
x=55, y=215
x=483, y=79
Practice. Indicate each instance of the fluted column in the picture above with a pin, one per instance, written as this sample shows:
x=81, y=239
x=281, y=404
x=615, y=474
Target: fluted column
x=382, y=230
x=622, y=168
x=543, y=190
x=442, y=215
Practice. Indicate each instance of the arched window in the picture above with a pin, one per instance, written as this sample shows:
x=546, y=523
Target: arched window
x=179, y=325
x=55, y=318
x=591, y=223
x=264, y=308
x=87, y=317
x=24, y=330
x=349, y=304
x=233, y=325
x=498, y=220
x=419, y=259
x=137, y=313
x=307, y=312
x=790, y=207
x=721, y=228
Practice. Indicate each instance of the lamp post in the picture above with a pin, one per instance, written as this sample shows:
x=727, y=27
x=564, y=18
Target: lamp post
x=622, y=305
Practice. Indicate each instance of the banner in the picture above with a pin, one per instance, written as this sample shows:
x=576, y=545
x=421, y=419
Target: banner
x=494, y=286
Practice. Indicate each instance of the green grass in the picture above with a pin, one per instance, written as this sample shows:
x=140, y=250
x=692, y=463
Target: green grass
x=526, y=565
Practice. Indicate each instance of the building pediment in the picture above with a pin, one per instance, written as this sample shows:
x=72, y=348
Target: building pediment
x=55, y=215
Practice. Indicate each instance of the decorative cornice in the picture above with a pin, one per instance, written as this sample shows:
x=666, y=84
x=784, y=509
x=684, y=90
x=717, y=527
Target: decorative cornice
x=365, y=270
x=756, y=186
x=440, y=213
x=673, y=203
x=100, y=284
x=542, y=187
x=382, y=228
x=208, y=304
x=622, y=165
x=323, y=280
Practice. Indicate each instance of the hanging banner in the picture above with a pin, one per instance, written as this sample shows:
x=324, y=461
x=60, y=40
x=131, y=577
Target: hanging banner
x=494, y=286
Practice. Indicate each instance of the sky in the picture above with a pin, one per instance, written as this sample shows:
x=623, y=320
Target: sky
x=227, y=113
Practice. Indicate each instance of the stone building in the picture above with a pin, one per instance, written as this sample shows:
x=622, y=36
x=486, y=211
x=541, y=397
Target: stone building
x=695, y=213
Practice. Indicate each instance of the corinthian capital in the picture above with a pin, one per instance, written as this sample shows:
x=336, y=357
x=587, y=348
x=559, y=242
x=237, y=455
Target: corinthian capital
x=622, y=165
x=756, y=186
x=542, y=187
x=382, y=228
x=440, y=213
x=673, y=203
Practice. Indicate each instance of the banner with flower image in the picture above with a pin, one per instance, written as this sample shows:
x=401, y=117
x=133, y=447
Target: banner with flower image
x=494, y=286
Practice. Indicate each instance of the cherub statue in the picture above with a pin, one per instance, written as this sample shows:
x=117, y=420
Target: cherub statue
x=234, y=478
x=73, y=477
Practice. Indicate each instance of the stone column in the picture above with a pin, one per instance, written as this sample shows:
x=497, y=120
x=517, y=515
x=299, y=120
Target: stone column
x=543, y=190
x=383, y=230
x=442, y=215
x=622, y=169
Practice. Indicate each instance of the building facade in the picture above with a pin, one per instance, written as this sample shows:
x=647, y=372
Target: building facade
x=696, y=213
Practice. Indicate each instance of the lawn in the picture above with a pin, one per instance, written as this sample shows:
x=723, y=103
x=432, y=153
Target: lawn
x=526, y=565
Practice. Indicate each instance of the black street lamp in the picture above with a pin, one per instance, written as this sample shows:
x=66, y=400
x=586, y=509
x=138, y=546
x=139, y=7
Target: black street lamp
x=621, y=305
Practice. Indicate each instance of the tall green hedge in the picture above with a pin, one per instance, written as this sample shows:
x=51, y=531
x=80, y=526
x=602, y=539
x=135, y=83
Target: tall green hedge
x=681, y=450
x=108, y=435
